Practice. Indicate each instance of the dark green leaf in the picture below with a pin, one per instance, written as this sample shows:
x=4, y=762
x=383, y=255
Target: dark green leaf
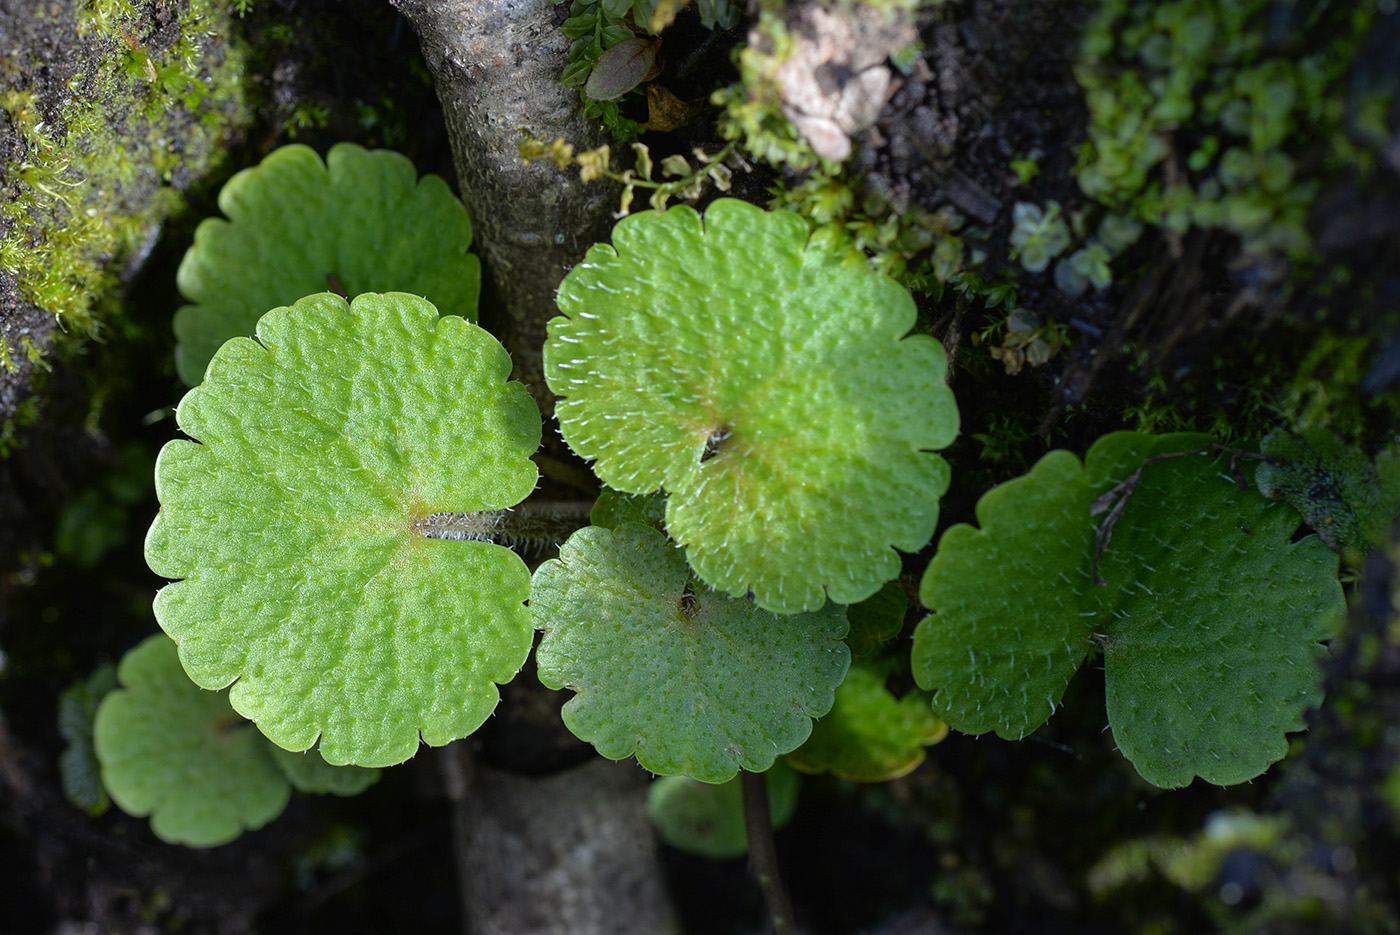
x=621, y=68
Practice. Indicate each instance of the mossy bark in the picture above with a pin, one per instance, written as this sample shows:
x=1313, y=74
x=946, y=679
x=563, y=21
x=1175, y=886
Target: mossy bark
x=111, y=111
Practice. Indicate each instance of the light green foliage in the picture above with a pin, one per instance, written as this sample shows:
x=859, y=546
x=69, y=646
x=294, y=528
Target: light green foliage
x=308, y=772
x=181, y=755
x=763, y=384
x=870, y=735
x=78, y=193
x=612, y=509
x=1085, y=267
x=77, y=765
x=1038, y=235
x=752, y=106
x=1349, y=499
x=692, y=682
x=296, y=226
x=920, y=248
x=296, y=521
x=876, y=620
x=1209, y=623
x=708, y=820
x=1197, y=83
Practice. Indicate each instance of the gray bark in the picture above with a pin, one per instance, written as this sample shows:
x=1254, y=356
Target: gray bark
x=569, y=854
x=497, y=65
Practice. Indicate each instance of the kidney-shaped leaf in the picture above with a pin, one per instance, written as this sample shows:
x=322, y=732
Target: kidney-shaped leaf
x=295, y=519
x=1209, y=621
x=768, y=387
x=692, y=682
x=362, y=221
x=181, y=755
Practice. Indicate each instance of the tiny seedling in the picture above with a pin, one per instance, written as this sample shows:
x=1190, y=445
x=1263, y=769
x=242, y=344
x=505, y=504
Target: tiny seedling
x=768, y=387
x=362, y=221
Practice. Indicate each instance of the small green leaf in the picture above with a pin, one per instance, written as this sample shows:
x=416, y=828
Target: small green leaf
x=690, y=681
x=181, y=755
x=1210, y=621
x=876, y=620
x=309, y=772
x=622, y=67
x=612, y=509
x=77, y=765
x=1340, y=492
x=296, y=519
x=297, y=226
x=869, y=735
x=707, y=820
x=768, y=387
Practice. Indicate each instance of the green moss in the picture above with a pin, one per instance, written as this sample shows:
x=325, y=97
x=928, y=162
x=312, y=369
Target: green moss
x=1199, y=110
x=101, y=160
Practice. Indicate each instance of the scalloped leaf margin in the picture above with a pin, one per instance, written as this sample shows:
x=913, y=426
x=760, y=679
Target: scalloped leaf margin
x=1210, y=624
x=768, y=387
x=292, y=520
x=690, y=681
x=361, y=221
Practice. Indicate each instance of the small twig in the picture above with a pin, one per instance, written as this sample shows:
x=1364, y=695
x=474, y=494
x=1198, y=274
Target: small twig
x=763, y=852
x=334, y=282
x=1115, y=501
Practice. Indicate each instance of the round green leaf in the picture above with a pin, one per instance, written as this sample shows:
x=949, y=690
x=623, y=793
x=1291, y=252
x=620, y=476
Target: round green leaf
x=612, y=509
x=363, y=217
x=309, y=772
x=870, y=735
x=296, y=521
x=692, y=682
x=768, y=387
x=708, y=820
x=1209, y=621
x=181, y=755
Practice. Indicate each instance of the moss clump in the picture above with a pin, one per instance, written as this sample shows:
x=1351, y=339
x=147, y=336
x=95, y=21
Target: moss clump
x=1201, y=109
x=99, y=140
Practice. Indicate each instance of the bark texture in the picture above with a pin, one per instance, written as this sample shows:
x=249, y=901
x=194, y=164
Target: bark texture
x=570, y=854
x=497, y=66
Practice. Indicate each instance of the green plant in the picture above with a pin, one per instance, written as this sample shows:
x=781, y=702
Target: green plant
x=361, y=221
x=1197, y=114
x=1198, y=685
x=765, y=399
x=307, y=526
x=768, y=425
